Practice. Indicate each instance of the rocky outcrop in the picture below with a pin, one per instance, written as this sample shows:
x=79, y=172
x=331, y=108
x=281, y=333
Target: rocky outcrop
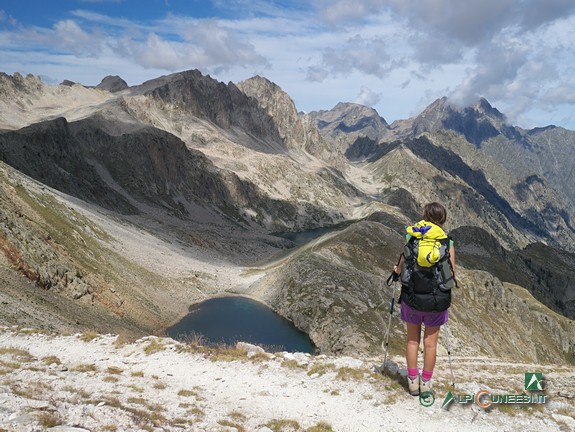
x=112, y=84
x=18, y=86
x=549, y=158
x=146, y=165
x=297, y=131
x=334, y=289
x=483, y=306
x=35, y=258
x=477, y=123
x=349, y=123
x=50, y=153
x=545, y=271
x=225, y=106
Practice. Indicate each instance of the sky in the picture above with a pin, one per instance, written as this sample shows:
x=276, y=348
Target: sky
x=396, y=56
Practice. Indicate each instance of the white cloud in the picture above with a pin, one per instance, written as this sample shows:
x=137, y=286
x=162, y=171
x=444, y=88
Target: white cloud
x=108, y=22
x=158, y=53
x=6, y=18
x=535, y=13
x=560, y=94
x=69, y=36
x=468, y=23
x=499, y=67
x=215, y=55
x=344, y=12
x=367, y=97
x=316, y=74
x=222, y=47
x=518, y=54
x=368, y=56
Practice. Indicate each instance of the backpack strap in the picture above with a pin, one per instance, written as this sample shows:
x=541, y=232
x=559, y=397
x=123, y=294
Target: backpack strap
x=409, y=259
x=447, y=257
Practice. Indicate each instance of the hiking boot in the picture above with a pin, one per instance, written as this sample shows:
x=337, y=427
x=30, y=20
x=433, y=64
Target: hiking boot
x=425, y=386
x=413, y=385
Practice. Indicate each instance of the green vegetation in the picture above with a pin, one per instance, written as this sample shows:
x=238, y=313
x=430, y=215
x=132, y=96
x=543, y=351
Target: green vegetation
x=237, y=416
x=88, y=336
x=62, y=225
x=51, y=360
x=292, y=364
x=111, y=379
x=85, y=367
x=187, y=393
x=232, y=424
x=348, y=374
x=321, y=368
x=283, y=425
x=153, y=347
x=17, y=354
x=84, y=394
x=320, y=427
x=49, y=420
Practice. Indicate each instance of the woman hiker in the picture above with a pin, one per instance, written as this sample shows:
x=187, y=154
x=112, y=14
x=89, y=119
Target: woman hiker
x=427, y=272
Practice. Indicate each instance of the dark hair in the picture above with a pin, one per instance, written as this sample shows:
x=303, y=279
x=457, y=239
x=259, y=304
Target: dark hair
x=435, y=212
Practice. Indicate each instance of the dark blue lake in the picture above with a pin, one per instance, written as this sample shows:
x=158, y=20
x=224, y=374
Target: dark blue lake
x=232, y=319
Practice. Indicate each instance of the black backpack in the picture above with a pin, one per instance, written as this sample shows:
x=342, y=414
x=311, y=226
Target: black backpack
x=427, y=289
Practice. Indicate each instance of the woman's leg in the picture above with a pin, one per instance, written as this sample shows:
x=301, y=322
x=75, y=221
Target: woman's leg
x=430, y=337
x=413, y=336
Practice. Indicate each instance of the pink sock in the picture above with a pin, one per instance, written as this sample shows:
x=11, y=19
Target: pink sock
x=426, y=375
x=412, y=373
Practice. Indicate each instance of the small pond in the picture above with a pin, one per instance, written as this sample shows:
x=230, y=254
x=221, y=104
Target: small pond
x=302, y=237
x=232, y=319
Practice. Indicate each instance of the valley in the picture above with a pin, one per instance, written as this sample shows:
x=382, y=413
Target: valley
x=129, y=206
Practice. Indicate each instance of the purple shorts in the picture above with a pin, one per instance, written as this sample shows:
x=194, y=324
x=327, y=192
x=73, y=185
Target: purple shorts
x=430, y=319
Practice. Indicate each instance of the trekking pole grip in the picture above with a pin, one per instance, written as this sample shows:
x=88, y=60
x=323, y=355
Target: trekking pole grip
x=393, y=277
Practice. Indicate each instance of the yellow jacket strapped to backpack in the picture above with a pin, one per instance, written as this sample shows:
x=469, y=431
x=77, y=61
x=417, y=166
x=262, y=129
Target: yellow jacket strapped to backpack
x=429, y=248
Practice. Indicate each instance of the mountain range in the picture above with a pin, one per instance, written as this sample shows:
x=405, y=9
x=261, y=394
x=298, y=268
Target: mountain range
x=121, y=206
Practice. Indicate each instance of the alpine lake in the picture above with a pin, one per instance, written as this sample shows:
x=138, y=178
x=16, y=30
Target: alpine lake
x=231, y=319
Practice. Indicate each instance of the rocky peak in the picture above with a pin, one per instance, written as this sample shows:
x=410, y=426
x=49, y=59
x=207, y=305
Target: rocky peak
x=296, y=130
x=477, y=122
x=277, y=104
x=15, y=85
x=265, y=91
x=346, y=123
x=485, y=108
x=223, y=105
x=112, y=84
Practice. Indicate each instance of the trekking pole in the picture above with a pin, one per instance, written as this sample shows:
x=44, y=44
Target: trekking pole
x=449, y=354
x=393, y=278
